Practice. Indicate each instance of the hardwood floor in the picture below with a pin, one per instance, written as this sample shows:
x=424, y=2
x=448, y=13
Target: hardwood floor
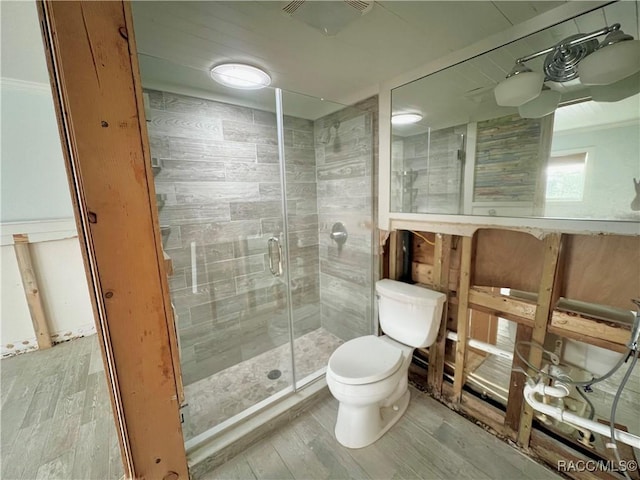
x=56, y=420
x=429, y=442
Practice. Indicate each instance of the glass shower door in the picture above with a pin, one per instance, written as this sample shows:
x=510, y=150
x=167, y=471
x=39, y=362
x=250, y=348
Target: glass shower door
x=219, y=190
x=328, y=159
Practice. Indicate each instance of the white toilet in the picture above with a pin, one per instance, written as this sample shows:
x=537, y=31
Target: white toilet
x=368, y=375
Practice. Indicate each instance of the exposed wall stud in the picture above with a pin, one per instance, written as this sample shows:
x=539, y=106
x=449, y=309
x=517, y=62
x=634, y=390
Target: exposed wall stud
x=32, y=291
x=548, y=294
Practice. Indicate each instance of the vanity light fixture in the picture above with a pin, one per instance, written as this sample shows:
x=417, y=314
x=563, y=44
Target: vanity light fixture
x=578, y=56
x=240, y=75
x=542, y=105
x=405, y=118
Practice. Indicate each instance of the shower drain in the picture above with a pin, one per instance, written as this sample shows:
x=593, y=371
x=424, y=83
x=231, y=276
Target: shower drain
x=273, y=374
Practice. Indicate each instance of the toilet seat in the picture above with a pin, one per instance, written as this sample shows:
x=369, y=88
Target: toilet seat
x=364, y=360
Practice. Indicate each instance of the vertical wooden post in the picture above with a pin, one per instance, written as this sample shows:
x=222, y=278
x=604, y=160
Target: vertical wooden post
x=395, y=255
x=548, y=294
x=442, y=263
x=91, y=54
x=516, y=384
x=32, y=291
x=463, y=317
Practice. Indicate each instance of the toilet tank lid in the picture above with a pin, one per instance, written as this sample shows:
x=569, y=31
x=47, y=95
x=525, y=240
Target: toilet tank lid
x=408, y=293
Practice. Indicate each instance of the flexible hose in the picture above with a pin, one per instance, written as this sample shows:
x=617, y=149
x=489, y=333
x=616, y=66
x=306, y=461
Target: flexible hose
x=570, y=382
x=592, y=409
x=614, y=406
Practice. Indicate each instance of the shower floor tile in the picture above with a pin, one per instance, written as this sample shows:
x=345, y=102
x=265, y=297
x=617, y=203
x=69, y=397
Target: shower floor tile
x=217, y=398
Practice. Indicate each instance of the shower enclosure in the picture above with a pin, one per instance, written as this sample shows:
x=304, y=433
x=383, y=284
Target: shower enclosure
x=248, y=193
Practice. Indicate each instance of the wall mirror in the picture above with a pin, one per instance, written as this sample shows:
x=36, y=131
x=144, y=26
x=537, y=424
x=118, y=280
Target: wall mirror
x=559, y=141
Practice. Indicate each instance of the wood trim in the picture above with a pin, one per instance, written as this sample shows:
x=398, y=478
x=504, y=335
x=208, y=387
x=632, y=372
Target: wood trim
x=32, y=291
x=91, y=55
x=463, y=316
x=442, y=263
x=548, y=294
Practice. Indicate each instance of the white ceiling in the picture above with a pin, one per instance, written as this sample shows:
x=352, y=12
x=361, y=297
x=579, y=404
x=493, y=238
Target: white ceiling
x=464, y=92
x=179, y=42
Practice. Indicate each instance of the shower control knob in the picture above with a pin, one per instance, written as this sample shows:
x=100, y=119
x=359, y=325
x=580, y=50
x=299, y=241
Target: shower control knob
x=339, y=233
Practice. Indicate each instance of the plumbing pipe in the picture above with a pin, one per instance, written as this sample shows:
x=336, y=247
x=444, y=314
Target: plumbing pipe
x=485, y=347
x=560, y=390
x=576, y=420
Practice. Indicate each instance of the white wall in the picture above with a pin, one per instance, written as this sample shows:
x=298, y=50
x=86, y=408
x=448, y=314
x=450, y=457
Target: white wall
x=612, y=164
x=34, y=182
x=34, y=193
x=57, y=260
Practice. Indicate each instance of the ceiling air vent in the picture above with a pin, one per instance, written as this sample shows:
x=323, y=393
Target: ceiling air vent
x=330, y=17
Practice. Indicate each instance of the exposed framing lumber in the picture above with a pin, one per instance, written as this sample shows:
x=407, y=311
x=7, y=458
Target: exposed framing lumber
x=395, y=255
x=32, y=291
x=517, y=381
x=548, y=295
x=442, y=263
x=513, y=309
x=590, y=330
x=463, y=316
x=553, y=452
x=477, y=409
x=97, y=94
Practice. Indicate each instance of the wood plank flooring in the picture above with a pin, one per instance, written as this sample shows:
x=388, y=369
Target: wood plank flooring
x=429, y=442
x=56, y=419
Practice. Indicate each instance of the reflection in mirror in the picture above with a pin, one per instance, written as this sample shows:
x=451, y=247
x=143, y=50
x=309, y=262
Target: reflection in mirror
x=572, y=152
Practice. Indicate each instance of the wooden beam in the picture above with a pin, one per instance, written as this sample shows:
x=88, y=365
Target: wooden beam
x=395, y=256
x=571, y=323
x=517, y=381
x=463, y=316
x=32, y=291
x=507, y=307
x=97, y=93
x=442, y=262
x=548, y=294
x=555, y=454
x=477, y=409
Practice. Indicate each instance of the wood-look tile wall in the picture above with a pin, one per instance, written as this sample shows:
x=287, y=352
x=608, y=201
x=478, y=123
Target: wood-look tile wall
x=345, y=157
x=508, y=159
x=219, y=194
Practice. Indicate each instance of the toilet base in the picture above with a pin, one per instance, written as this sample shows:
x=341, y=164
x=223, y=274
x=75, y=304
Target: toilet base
x=358, y=426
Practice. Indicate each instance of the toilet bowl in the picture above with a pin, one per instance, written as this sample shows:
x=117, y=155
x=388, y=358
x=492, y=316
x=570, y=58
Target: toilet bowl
x=369, y=375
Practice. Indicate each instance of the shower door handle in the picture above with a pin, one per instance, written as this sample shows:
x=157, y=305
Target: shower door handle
x=273, y=244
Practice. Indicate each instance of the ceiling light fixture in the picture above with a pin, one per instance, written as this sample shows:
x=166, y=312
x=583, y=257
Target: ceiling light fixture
x=240, y=75
x=405, y=118
x=578, y=56
x=541, y=106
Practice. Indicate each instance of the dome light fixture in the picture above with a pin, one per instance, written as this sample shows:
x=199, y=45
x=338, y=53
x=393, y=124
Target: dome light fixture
x=405, y=118
x=240, y=75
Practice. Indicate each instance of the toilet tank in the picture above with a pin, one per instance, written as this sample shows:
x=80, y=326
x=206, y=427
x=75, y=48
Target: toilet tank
x=408, y=313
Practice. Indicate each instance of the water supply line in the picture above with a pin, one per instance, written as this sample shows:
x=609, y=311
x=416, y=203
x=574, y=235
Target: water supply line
x=561, y=389
x=530, y=390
